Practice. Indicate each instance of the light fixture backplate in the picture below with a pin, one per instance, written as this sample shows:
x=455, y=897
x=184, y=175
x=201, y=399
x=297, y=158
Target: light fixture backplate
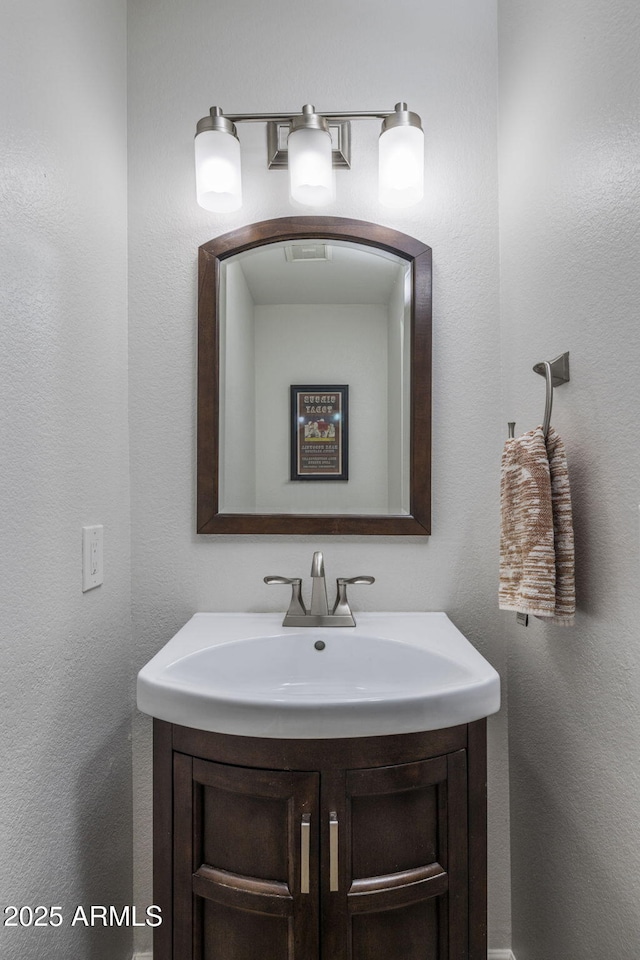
x=278, y=132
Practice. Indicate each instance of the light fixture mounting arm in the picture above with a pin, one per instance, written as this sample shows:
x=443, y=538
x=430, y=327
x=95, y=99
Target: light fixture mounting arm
x=284, y=117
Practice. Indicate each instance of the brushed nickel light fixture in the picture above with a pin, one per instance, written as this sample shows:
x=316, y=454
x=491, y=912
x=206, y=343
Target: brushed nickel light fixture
x=311, y=145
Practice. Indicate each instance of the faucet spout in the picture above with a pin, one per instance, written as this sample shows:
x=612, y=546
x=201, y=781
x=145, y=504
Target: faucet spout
x=319, y=606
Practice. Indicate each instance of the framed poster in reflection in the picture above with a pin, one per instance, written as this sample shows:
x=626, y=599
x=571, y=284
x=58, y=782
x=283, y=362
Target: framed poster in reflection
x=319, y=432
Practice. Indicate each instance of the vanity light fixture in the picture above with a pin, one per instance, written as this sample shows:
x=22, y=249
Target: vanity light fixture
x=311, y=145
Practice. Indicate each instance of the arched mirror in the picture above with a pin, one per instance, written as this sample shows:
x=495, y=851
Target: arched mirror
x=314, y=380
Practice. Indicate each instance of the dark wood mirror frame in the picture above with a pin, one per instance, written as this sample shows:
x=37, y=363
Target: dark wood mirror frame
x=211, y=256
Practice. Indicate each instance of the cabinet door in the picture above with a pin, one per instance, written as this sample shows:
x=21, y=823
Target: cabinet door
x=395, y=880
x=243, y=842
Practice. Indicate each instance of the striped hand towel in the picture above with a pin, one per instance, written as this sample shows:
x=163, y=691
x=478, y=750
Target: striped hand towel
x=536, y=537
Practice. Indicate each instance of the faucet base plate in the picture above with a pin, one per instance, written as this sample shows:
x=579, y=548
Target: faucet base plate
x=312, y=620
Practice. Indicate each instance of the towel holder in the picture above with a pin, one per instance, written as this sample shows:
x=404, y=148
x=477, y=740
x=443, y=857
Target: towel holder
x=555, y=372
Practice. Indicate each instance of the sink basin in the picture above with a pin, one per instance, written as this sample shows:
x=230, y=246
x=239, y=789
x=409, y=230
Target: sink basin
x=245, y=674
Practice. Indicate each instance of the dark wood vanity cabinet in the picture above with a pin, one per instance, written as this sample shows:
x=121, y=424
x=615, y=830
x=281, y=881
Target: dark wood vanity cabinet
x=354, y=849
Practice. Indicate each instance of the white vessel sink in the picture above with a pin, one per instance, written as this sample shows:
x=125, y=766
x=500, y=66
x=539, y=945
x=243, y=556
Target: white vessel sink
x=246, y=674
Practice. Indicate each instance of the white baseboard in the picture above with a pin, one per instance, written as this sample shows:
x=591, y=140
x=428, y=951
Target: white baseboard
x=142, y=956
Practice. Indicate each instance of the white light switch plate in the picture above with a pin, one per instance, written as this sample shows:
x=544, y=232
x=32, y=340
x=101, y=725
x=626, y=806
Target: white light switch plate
x=92, y=572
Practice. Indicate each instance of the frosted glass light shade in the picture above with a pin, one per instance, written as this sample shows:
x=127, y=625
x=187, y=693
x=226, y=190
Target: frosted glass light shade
x=401, y=166
x=218, y=175
x=311, y=180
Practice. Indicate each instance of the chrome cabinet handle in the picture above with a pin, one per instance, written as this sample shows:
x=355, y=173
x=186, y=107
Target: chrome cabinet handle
x=305, y=841
x=333, y=851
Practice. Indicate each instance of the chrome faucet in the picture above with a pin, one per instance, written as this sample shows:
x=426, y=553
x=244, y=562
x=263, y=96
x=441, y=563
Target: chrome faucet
x=318, y=614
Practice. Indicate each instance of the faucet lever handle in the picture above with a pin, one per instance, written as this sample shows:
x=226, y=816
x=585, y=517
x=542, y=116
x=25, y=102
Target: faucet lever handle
x=342, y=608
x=296, y=606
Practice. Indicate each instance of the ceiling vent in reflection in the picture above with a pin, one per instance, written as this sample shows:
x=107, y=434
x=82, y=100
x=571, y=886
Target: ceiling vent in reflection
x=297, y=252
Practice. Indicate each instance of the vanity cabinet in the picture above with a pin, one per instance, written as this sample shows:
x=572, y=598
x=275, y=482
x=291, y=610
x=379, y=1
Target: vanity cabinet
x=351, y=849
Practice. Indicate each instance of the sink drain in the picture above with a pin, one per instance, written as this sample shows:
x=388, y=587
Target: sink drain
x=319, y=644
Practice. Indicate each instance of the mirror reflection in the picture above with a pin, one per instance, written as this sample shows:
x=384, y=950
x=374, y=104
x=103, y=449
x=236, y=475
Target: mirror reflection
x=317, y=315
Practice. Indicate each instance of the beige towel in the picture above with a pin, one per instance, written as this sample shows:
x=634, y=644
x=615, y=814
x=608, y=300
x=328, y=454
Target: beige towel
x=536, y=538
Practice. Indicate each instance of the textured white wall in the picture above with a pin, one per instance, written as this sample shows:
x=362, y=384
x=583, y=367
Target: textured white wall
x=246, y=56
x=66, y=694
x=570, y=207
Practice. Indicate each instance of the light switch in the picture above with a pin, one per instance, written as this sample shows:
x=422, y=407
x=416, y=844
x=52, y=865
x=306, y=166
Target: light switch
x=92, y=563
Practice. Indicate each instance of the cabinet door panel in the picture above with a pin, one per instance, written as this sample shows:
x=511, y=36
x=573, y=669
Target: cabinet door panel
x=242, y=888
x=245, y=834
x=230, y=934
x=407, y=932
x=402, y=864
x=401, y=826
